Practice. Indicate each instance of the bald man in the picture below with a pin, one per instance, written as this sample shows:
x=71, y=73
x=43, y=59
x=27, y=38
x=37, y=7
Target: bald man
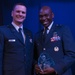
x=58, y=43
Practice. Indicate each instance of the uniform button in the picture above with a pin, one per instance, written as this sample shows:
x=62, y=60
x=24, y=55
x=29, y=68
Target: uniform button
x=38, y=44
x=25, y=55
x=44, y=48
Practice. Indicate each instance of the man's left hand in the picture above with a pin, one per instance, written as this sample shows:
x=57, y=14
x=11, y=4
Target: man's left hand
x=48, y=70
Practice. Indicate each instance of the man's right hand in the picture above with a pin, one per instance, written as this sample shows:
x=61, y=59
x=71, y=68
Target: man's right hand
x=38, y=69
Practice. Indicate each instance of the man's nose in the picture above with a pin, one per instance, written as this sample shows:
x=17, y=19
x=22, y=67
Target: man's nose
x=20, y=13
x=44, y=18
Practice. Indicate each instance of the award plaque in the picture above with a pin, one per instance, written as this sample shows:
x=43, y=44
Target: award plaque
x=45, y=61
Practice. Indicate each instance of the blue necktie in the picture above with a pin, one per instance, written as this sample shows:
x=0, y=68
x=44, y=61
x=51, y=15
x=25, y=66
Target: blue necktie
x=45, y=34
x=20, y=33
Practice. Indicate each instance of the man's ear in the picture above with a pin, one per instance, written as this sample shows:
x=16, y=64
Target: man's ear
x=12, y=13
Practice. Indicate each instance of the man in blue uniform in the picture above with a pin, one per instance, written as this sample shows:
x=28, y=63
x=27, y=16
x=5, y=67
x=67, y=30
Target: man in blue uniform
x=16, y=45
x=56, y=41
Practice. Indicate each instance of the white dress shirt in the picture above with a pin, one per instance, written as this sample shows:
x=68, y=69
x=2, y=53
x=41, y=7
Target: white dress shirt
x=17, y=28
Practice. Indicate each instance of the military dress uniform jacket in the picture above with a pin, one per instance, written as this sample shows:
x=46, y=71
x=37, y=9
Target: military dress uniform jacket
x=60, y=45
x=15, y=56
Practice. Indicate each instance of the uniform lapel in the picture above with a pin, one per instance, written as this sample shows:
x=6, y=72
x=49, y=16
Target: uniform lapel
x=16, y=34
x=41, y=37
x=50, y=34
x=25, y=34
x=28, y=39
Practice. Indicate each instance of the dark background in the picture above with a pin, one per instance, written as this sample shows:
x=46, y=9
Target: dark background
x=64, y=11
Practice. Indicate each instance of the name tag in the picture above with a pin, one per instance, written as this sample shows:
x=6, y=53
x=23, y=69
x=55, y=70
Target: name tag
x=11, y=40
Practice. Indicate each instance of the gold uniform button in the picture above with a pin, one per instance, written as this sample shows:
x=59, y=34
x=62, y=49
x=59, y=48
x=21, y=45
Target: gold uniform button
x=56, y=48
x=44, y=48
x=25, y=55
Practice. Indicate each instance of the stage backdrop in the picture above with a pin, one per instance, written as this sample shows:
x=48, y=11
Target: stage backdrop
x=64, y=14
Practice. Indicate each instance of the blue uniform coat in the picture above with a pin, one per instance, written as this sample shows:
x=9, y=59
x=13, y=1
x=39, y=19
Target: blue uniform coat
x=60, y=45
x=15, y=56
